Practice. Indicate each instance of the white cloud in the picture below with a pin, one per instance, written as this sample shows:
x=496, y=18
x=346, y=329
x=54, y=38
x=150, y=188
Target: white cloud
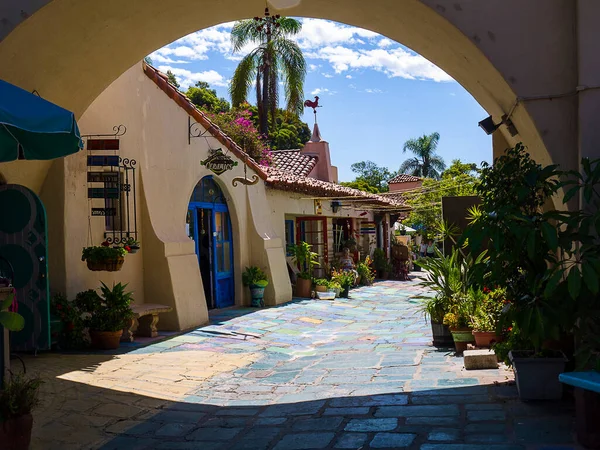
x=318, y=33
x=394, y=63
x=321, y=91
x=385, y=42
x=342, y=47
x=373, y=91
x=188, y=78
x=452, y=94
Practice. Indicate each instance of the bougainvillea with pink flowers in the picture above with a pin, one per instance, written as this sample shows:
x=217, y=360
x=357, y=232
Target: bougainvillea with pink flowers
x=238, y=125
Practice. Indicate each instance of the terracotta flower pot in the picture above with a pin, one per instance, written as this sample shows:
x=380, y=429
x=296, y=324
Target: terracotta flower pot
x=15, y=434
x=485, y=338
x=106, y=340
x=462, y=337
x=303, y=288
x=319, y=288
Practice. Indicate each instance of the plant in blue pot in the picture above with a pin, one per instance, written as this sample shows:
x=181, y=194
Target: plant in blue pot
x=256, y=280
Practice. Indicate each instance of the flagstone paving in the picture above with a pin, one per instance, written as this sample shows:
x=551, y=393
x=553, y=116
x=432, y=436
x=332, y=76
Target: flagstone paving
x=348, y=374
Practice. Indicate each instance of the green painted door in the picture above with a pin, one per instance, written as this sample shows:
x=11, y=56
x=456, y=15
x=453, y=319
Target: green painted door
x=24, y=245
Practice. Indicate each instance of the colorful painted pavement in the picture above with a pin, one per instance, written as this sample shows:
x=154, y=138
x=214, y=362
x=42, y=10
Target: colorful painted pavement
x=349, y=374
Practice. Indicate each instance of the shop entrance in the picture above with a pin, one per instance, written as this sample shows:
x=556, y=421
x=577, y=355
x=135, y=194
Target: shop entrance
x=209, y=225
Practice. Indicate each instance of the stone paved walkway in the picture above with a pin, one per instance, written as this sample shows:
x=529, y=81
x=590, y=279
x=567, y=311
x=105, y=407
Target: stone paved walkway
x=349, y=374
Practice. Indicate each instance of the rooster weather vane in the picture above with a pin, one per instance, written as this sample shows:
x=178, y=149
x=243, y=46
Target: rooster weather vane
x=314, y=105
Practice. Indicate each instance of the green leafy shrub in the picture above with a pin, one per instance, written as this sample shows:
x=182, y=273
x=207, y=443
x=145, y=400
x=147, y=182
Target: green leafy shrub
x=19, y=396
x=365, y=272
x=109, y=312
x=345, y=279
x=72, y=335
x=322, y=282
x=11, y=320
x=305, y=259
x=488, y=310
x=102, y=253
x=253, y=275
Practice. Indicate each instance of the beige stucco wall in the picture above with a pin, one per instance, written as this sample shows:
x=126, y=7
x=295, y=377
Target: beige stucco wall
x=165, y=270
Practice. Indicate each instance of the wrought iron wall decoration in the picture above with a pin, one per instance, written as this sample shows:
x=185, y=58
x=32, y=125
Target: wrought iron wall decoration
x=111, y=180
x=245, y=180
x=194, y=131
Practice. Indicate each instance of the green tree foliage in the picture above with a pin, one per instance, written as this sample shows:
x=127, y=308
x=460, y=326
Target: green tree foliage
x=426, y=202
x=206, y=98
x=288, y=132
x=426, y=162
x=361, y=185
x=172, y=79
x=275, y=58
x=371, y=177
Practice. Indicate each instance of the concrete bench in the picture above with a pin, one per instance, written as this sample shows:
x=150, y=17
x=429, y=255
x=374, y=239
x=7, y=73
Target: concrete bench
x=143, y=323
x=587, y=405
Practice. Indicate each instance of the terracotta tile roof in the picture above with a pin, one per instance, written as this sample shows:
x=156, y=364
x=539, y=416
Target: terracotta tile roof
x=281, y=179
x=403, y=178
x=295, y=162
x=162, y=81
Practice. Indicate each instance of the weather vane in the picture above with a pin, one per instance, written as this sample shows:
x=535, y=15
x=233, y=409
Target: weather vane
x=314, y=105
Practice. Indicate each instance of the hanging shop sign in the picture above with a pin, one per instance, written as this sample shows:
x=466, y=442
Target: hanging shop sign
x=104, y=212
x=218, y=162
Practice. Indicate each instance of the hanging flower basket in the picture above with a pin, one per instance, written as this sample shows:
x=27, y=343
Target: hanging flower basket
x=104, y=257
x=108, y=265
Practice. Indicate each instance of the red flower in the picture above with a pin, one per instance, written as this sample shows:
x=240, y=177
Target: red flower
x=509, y=329
x=105, y=244
x=486, y=290
x=128, y=248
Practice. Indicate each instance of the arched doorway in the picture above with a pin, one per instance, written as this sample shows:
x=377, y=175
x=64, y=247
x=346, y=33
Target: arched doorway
x=208, y=223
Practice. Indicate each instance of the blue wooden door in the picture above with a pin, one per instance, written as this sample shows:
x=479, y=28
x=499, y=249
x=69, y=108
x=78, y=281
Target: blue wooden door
x=222, y=257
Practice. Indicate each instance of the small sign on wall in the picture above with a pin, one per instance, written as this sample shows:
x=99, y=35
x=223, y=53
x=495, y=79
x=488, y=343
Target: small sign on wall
x=218, y=162
x=318, y=208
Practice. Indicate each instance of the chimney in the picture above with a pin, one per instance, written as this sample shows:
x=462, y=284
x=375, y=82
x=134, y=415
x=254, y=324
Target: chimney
x=319, y=148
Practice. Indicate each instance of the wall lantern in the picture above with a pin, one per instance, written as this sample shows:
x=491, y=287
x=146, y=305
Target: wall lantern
x=489, y=126
x=336, y=205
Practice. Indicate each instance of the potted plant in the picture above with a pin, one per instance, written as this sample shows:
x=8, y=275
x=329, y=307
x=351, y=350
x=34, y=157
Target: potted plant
x=104, y=257
x=18, y=397
x=306, y=261
x=67, y=325
x=365, y=273
x=459, y=317
x=531, y=256
x=345, y=279
x=321, y=284
x=256, y=280
x=381, y=264
x=335, y=287
x=131, y=245
x=486, y=318
x=107, y=314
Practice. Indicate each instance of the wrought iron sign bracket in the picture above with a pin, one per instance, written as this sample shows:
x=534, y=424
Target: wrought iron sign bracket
x=245, y=180
x=194, y=131
x=118, y=131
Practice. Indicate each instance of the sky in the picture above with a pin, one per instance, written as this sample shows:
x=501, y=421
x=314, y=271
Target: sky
x=376, y=93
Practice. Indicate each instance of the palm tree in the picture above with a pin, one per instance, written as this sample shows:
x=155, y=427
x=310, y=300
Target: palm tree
x=275, y=58
x=426, y=162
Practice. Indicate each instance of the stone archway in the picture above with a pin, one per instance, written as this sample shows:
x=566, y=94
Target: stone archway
x=71, y=51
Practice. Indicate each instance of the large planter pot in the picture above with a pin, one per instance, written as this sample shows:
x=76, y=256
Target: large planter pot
x=537, y=378
x=462, y=338
x=106, y=340
x=303, y=288
x=15, y=434
x=345, y=293
x=485, y=338
x=442, y=337
x=319, y=288
x=258, y=296
x=108, y=265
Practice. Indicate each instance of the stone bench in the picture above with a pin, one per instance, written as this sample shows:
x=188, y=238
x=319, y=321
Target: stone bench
x=587, y=405
x=143, y=323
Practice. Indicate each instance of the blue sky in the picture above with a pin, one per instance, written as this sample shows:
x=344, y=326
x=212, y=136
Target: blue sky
x=375, y=93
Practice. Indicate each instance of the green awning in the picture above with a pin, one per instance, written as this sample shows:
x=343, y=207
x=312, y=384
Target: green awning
x=33, y=128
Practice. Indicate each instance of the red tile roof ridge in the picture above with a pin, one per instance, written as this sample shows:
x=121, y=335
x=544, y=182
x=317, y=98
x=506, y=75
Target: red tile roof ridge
x=162, y=81
x=404, y=178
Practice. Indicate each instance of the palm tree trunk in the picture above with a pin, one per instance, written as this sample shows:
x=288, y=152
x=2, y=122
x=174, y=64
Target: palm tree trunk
x=259, y=99
x=264, y=118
